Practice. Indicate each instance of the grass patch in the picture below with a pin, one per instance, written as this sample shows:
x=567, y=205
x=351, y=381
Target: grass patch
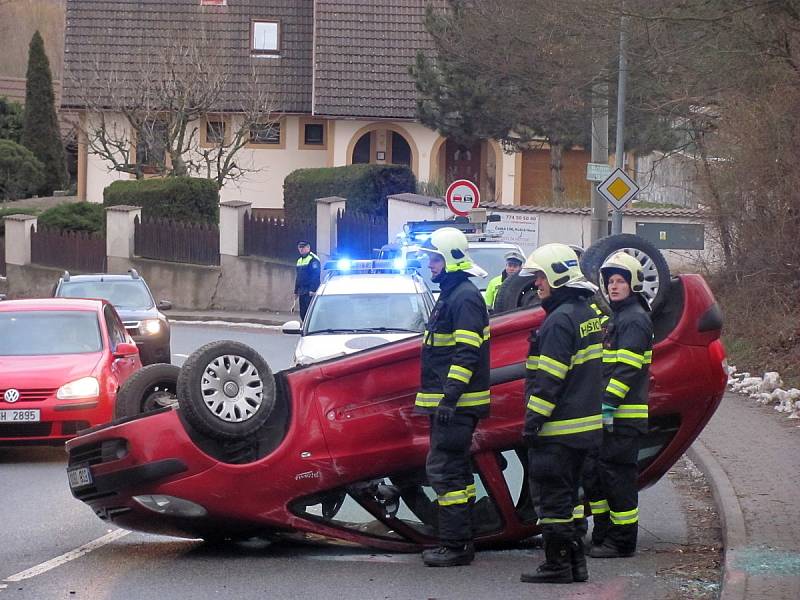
x=761, y=331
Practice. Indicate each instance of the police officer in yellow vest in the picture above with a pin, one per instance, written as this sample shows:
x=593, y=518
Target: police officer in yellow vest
x=627, y=353
x=563, y=420
x=514, y=262
x=307, y=277
x=454, y=391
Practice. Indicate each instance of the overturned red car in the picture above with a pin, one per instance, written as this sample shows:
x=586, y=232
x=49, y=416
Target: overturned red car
x=334, y=451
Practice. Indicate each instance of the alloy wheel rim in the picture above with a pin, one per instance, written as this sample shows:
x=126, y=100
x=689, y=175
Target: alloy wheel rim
x=232, y=388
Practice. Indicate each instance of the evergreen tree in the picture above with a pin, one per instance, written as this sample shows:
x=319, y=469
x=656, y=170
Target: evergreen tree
x=40, y=132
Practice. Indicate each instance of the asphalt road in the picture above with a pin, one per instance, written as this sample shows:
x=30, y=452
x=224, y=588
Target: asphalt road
x=54, y=547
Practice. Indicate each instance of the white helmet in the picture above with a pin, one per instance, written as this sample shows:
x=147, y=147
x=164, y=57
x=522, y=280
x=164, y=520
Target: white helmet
x=452, y=245
x=629, y=265
x=559, y=263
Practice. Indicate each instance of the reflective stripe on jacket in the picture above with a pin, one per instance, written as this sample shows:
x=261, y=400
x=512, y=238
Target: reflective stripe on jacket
x=564, y=373
x=307, y=274
x=455, y=351
x=627, y=354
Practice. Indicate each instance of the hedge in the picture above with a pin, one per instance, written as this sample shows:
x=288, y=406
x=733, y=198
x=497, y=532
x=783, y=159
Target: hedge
x=21, y=173
x=366, y=188
x=177, y=198
x=78, y=216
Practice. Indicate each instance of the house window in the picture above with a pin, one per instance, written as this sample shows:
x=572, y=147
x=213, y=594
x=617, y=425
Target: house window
x=265, y=133
x=151, y=146
x=314, y=134
x=265, y=37
x=215, y=132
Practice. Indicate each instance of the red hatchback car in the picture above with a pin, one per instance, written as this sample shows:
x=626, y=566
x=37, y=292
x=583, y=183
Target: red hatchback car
x=333, y=450
x=61, y=364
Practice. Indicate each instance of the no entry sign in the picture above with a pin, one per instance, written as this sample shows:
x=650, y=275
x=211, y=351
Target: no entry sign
x=462, y=196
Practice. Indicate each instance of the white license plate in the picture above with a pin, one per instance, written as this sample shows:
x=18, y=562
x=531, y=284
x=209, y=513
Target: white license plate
x=79, y=477
x=20, y=415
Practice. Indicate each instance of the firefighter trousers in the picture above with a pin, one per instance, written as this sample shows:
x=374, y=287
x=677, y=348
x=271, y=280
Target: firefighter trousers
x=618, y=470
x=554, y=478
x=449, y=470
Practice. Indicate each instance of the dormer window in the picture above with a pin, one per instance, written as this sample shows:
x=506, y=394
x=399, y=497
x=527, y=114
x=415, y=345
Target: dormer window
x=265, y=37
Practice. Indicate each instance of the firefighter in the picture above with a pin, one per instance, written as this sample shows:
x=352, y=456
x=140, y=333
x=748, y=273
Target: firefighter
x=627, y=353
x=307, y=275
x=454, y=391
x=514, y=262
x=563, y=420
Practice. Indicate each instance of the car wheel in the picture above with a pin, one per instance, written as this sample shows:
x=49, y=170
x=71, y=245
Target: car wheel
x=656, y=270
x=226, y=390
x=516, y=292
x=148, y=389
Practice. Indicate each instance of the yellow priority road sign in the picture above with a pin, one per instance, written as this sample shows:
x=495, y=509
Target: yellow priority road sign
x=618, y=189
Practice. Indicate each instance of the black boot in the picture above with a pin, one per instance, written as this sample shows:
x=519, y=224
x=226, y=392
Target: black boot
x=449, y=556
x=557, y=567
x=600, y=528
x=619, y=543
x=580, y=572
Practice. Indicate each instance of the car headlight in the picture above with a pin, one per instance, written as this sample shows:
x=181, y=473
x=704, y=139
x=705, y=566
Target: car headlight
x=150, y=326
x=86, y=387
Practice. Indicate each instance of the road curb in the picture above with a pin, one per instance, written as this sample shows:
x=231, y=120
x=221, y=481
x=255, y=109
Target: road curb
x=734, y=533
x=227, y=319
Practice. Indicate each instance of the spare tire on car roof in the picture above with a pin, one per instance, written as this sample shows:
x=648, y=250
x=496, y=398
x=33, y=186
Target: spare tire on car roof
x=654, y=265
x=226, y=390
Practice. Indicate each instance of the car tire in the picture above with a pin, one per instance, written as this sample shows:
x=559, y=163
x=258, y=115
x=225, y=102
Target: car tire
x=516, y=292
x=226, y=390
x=656, y=270
x=148, y=389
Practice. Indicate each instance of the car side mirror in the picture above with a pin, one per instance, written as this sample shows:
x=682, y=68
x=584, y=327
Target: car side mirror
x=292, y=327
x=164, y=305
x=125, y=350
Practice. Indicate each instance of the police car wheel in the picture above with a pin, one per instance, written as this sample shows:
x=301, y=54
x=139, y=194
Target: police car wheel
x=654, y=265
x=150, y=388
x=516, y=292
x=226, y=390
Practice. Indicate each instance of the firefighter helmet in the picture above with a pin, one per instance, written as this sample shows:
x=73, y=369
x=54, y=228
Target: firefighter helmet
x=559, y=263
x=627, y=266
x=452, y=245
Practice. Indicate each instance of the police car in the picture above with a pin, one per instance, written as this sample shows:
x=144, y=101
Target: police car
x=485, y=249
x=362, y=304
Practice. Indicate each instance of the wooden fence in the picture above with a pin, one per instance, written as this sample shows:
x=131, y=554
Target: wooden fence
x=274, y=237
x=176, y=241
x=358, y=234
x=71, y=250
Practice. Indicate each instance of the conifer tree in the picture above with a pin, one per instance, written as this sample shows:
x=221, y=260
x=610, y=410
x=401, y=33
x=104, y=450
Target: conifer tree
x=40, y=132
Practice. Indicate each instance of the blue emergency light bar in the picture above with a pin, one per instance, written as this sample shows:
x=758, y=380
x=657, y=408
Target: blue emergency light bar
x=396, y=265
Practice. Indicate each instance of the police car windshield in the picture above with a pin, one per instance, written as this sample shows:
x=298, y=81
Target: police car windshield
x=489, y=259
x=366, y=313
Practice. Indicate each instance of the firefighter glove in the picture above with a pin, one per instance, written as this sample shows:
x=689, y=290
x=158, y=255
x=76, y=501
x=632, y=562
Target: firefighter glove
x=608, y=416
x=444, y=414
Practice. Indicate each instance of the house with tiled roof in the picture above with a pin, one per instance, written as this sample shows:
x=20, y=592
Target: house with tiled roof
x=339, y=70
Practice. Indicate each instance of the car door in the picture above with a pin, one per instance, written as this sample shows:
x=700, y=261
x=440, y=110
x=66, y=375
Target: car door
x=125, y=366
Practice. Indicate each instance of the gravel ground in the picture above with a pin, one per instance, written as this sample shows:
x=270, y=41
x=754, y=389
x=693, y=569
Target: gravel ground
x=698, y=573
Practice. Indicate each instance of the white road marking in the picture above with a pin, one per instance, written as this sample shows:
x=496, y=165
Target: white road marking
x=68, y=556
x=229, y=324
